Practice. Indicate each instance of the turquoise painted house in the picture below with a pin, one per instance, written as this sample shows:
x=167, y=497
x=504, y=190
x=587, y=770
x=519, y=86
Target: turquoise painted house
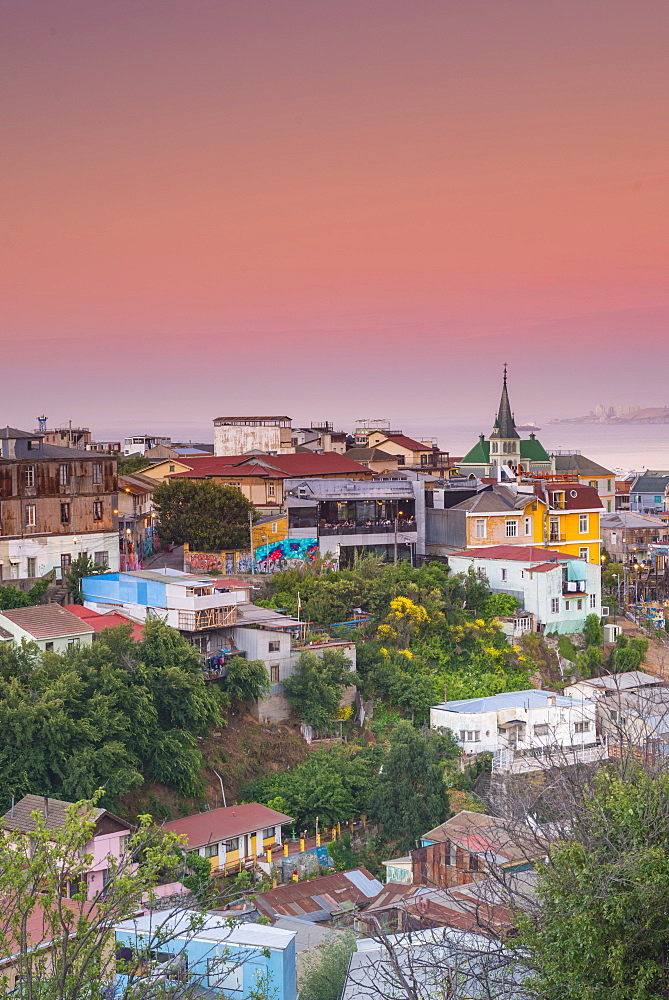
x=205, y=952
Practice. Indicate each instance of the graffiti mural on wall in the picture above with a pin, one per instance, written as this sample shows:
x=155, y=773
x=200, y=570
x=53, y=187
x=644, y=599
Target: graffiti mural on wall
x=236, y=561
x=287, y=553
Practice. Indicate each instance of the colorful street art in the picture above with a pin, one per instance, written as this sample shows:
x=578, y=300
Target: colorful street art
x=287, y=553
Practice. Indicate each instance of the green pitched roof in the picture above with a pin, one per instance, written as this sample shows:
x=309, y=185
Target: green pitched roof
x=479, y=454
x=533, y=450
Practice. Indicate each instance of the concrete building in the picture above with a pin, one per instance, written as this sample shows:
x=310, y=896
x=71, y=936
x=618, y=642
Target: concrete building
x=385, y=517
x=521, y=728
x=648, y=492
x=55, y=505
x=557, y=589
x=241, y=435
x=628, y=537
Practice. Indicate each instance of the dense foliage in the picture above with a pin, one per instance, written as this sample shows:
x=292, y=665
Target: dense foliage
x=334, y=783
x=410, y=795
x=432, y=633
x=314, y=691
x=245, y=680
x=12, y=597
x=323, y=972
x=82, y=566
x=602, y=930
x=204, y=514
x=106, y=715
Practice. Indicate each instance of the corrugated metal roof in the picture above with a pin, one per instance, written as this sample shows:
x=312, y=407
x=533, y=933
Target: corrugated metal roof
x=318, y=898
x=225, y=823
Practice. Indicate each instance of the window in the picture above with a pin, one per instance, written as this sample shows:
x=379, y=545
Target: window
x=274, y=673
x=225, y=975
x=658, y=499
x=554, y=529
x=541, y=729
x=593, y=483
x=232, y=845
x=504, y=575
x=473, y=863
x=579, y=605
x=583, y=523
x=29, y=476
x=71, y=643
x=274, y=646
x=593, y=600
x=614, y=537
x=480, y=527
x=97, y=473
x=64, y=475
x=275, y=528
x=462, y=736
x=583, y=553
x=211, y=850
x=31, y=566
x=582, y=727
x=97, y=510
x=270, y=489
x=473, y=735
x=65, y=513
x=608, y=485
x=528, y=525
x=511, y=529
x=31, y=515
x=172, y=468
x=100, y=558
x=567, y=605
x=34, y=445
x=123, y=842
x=65, y=560
x=555, y=605
x=269, y=832
x=49, y=647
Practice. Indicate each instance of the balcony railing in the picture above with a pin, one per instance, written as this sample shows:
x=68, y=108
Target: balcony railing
x=371, y=528
x=574, y=587
x=555, y=536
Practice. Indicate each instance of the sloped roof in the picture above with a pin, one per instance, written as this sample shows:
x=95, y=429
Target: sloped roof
x=100, y=622
x=47, y=621
x=479, y=833
x=210, y=465
x=651, y=482
x=479, y=454
x=53, y=812
x=515, y=553
x=369, y=455
x=136, y=484
x=13, y=433
x=582, y=465
x=505, y=425
x=491, y=501
x=533, y=450
x=319, y=898
x=225, y=823
x=406, y=442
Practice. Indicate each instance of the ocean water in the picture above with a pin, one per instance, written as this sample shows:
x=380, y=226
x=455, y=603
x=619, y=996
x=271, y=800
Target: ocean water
x=624, y=447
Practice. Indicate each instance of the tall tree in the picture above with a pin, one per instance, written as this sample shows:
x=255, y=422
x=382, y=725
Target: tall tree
x=410, y=795
x=204, y=514
x=315, y=688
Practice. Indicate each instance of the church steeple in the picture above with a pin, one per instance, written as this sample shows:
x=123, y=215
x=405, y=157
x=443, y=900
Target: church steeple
x=505, y=426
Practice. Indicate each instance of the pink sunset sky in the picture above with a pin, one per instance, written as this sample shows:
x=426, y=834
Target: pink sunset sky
x=330, y=209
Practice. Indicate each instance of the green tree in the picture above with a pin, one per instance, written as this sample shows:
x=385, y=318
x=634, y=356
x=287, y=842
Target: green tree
x=410, y=796
x=82, y=566
x=628, y=654
x=601, y=930
x=132, y=463
x=324, y=971
x=12, y=597
x=592, y=631
x=202, y=513
x=246, y=680
x=500, y=605
x=314, y=691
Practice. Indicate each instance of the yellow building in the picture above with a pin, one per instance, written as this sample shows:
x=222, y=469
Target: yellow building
x=270, y=528
x=572, y=520
x=588, y=473
x=160, y=471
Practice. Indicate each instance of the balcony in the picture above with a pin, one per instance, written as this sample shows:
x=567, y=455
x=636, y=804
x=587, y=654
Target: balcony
x=572, y=587
x=369, y=528
x=555, y=537
x=196, y=621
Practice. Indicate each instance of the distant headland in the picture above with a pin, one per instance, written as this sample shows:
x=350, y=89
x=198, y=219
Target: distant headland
x=621, y=415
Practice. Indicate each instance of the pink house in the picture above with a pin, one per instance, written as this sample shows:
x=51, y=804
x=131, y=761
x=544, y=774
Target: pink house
x=109, y=839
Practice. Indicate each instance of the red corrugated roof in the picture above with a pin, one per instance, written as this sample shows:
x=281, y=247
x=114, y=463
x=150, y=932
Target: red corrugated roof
x=519, y=553
x=47, y=621
x=225, y=823
x=281, y=466
x=100, y=622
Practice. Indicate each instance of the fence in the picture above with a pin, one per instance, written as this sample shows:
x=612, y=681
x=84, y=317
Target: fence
x=543, y=758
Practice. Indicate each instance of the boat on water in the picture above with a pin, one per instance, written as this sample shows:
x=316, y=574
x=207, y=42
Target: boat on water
x=531, y=426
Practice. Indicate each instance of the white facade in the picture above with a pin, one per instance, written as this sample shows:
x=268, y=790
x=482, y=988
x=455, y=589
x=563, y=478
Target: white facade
x=17, y=554
x=182, y=610
x=141, y=443
x=524, y=721
x=560, y=595
x=53, y=644
x=240, y=435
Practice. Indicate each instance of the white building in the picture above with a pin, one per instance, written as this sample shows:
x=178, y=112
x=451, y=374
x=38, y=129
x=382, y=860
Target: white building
x=241, y=435
x=632, y=707
x=528, y=724
x=560, y=590
x=139, y=444
x=49, y=626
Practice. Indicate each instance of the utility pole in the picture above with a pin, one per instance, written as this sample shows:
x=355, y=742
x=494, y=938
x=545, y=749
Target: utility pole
x=253, y=561
x=395, y=542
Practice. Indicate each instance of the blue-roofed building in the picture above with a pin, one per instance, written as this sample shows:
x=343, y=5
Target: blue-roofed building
x=207, y=955
x=520, y=725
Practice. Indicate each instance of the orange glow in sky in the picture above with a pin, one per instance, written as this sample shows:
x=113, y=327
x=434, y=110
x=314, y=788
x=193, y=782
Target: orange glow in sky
x=322, y=208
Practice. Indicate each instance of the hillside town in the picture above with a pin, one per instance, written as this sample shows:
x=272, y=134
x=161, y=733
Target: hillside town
x=306, y=705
